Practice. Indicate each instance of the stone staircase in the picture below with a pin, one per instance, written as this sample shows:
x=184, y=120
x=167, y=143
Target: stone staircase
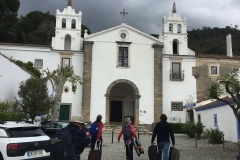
x=108, y=129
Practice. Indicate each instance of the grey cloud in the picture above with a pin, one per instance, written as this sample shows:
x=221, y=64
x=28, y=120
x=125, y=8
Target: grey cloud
x=145, y=15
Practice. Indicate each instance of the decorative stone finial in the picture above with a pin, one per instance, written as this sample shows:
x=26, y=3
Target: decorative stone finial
x=70, y=3
x=174, y=9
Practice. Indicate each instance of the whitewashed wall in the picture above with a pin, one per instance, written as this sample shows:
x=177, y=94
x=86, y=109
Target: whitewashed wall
x=177, y=90
x=10, y=77
x=140, y=72
x=51, y=60
x=225, y=119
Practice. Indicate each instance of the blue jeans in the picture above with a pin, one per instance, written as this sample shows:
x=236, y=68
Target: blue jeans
x=163, y=146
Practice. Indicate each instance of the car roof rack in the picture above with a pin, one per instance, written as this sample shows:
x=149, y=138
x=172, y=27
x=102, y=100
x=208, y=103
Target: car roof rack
x=2, y=122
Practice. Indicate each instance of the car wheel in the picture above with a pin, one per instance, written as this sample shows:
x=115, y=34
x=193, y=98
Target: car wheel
x=1, y=156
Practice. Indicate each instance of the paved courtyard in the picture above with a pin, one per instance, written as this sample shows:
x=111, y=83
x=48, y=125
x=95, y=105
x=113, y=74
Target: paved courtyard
x=188, y=151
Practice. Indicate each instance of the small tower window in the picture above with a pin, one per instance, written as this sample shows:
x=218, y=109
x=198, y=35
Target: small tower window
x=179, y=28
x=73, y=24
x=63, y=23
x=175, y=47
x=67, y=44
x=170, y=28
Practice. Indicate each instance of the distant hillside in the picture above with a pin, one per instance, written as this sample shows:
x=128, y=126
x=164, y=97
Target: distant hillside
x=212, y=40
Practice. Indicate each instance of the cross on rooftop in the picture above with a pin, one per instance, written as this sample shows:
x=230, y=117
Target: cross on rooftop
x=123, y=13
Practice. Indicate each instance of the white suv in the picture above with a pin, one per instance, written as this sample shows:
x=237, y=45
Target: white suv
x=20, y=140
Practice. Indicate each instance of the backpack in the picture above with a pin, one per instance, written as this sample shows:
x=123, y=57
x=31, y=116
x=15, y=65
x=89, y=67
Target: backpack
x=62, y=147
x=93, y=128
x=126, y=131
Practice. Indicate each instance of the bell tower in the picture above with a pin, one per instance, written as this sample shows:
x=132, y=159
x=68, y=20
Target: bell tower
x=68, y=29
x=174, y=34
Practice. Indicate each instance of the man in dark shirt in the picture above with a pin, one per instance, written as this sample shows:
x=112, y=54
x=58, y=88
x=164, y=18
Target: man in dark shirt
x=78, y=135
x=162, y=130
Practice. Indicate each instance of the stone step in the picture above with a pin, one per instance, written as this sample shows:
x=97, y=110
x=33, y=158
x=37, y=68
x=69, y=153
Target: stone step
x=108, y=129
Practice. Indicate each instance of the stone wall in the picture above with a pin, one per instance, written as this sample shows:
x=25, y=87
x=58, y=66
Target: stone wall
x=205, y=79
x=157, y=81
x=87, y=76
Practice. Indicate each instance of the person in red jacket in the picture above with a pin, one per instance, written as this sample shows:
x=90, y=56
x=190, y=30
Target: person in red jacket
x=97, y=138
x=128, y=137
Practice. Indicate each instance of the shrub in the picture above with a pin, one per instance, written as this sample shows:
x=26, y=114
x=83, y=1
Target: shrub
x=215, y=136
x=206, y=134
x=190, y=128
x=10, y=116
x=186, y=128
x=28, y=66
x=7, y=113
x=177, y=127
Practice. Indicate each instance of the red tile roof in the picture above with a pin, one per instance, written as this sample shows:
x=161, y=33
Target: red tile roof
x=217, y=56
x=24, y=44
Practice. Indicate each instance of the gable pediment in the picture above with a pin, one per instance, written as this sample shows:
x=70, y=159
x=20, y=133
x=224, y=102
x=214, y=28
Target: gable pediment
x=123, y=33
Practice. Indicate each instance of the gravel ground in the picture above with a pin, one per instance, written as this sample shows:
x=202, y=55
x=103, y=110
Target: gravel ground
x=188, y=151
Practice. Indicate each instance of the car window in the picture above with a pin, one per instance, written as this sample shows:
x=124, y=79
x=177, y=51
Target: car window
x=51, y=125
x=64, y=125
x=3, y=133
x=85, y=129
x=25, y=132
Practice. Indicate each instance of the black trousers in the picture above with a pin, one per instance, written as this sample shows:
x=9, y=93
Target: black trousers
x=93, y=141
x=129, y=150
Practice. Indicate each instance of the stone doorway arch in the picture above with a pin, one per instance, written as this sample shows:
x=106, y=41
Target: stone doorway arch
x=136, y=99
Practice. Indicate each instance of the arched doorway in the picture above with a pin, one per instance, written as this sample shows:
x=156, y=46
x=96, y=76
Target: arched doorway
x=122, y=100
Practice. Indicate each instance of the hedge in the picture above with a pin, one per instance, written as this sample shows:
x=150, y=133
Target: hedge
x=10, y=116
x=177, y=127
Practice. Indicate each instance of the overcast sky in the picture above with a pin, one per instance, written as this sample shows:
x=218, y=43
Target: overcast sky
x=145, y=15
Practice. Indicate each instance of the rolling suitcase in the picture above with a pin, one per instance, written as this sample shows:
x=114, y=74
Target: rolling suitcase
x=95, y=154
x=152, y=152
x=138, y=147
x=174, y=154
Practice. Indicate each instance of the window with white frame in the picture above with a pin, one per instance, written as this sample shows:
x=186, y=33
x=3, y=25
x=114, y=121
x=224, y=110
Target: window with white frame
x=214, y=70
x=38, y=63
x=176, y=106
x=65, y=62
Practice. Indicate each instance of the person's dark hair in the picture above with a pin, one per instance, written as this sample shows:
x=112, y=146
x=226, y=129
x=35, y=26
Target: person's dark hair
x=99, y=118
x=163, y=117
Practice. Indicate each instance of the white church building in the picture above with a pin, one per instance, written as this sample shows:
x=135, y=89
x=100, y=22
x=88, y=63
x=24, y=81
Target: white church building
x=126, y=72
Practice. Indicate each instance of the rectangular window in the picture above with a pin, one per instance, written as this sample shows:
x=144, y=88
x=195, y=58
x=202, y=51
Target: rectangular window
x=177, y=106
x=176, y=73
x=38, y=63
x=65, y=62
x=214, y=70
x=123, y=57
x=215, y=120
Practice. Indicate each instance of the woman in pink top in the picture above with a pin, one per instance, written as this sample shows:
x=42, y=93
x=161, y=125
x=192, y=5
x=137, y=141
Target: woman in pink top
x=97, y=138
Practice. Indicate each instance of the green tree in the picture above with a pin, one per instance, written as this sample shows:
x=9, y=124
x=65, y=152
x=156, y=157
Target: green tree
x=83, y=27
x=60, y=76
x=230, y=84
x=8, y=20
x=37, y=27
x=28, y=66
x=34, y=99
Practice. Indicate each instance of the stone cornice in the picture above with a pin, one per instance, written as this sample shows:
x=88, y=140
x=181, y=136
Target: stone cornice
x=88, y=42
x=125, y=43
x=157, y=46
